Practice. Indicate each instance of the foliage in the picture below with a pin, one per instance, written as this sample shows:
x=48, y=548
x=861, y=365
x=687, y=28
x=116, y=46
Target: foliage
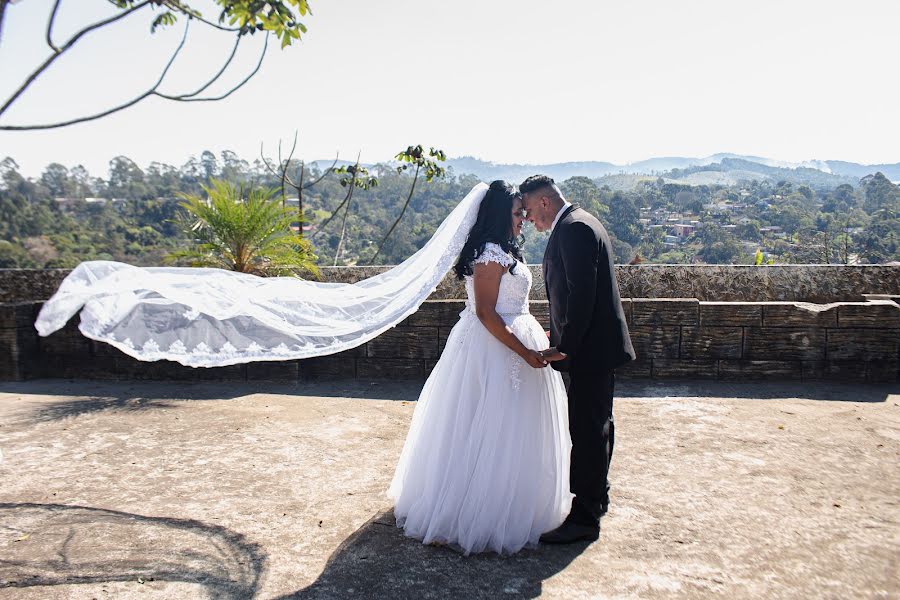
x=414, y=156
x=247, y=234
x=66, y=215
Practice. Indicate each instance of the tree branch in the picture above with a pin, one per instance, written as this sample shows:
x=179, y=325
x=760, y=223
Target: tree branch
x=325, y=174
x=229, y=92
x=68, y=45
x=50, y=26
x=237, y=42
x=3, y=5
x=391, y=230
x=132, y=102
x=196, y=15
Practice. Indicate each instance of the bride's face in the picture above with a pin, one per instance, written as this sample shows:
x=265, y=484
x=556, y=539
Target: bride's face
x=518, y=217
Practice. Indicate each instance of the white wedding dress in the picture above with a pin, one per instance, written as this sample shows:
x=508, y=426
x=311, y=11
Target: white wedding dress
x=486, y=461
x=485, y=465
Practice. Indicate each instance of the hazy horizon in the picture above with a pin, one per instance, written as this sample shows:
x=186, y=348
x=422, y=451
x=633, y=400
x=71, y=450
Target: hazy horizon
x=507, y=82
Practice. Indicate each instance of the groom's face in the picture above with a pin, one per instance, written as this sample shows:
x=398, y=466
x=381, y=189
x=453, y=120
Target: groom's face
x=538, y=206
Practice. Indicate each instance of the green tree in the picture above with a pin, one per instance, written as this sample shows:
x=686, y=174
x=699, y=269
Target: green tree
x=414, y=156
x=250, y=235
x=623, y=219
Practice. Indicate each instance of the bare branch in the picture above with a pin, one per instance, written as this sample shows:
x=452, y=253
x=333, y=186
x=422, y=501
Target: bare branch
x=132, y=102
x=50, y=26
x=3, y=5
x=174, y=5
x=68, y=45
x=402, y=211
x=237, y=42
x=265, y=160
x=340, y=244
x=327, y=171
x=287, y=165
x=229, y=92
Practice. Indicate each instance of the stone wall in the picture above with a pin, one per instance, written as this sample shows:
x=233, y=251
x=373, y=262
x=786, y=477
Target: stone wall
x=674, y=338
x=723, y=283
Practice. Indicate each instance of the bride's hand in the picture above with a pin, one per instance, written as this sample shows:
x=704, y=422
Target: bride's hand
x=552, y=355
x=534, y=359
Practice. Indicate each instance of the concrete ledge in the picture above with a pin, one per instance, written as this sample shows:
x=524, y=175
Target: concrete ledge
x=721, y=283
x=674, y=338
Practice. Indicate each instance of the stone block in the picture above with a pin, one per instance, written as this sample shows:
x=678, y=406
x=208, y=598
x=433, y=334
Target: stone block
x=443, y=334
x=797, y=343
x=883, y=371
x=166, y=370
x=628, y=309
x=731, y=314
x=863, y=344
x=67, y=341
x=541, y=311
x=636, y=369
x=436, y=313
x=741, y=370
x=287, y=370
x=665, y=368
x=830, y=370
x=799, y=314
x=655, y=342
x=711, y=342
x=877, y=315
x=666, y=311
x=19, y=315
x=9, y=355
x=390, y=368
x=405, y=342
x=335, y=366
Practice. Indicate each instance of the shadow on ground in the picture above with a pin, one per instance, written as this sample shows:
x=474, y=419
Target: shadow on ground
x=55, y=544
x=81, y=397
x=378, y=561
x=757, y=390
x=85, y=396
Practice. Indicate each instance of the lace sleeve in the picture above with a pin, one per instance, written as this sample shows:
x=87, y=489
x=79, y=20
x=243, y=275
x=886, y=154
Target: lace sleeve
x=494, y=253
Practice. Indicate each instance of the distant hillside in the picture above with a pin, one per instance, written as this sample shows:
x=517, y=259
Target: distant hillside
x=723, y=169
x=891, y=171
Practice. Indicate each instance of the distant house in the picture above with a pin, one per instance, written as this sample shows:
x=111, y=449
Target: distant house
x=682, y=230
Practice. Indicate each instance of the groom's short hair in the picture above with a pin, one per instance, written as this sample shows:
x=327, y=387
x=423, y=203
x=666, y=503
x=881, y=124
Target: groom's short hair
x=537, y=182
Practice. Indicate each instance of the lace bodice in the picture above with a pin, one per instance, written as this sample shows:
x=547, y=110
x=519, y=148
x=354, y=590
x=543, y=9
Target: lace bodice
x=514, y=287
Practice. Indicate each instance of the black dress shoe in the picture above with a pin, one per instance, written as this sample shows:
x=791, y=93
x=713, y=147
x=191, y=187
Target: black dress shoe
x=570, y=532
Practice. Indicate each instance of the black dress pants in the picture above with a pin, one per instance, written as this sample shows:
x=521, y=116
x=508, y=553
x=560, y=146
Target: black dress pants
x=593, y=435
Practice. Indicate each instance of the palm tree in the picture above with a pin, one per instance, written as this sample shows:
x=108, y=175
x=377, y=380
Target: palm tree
x=250, y=235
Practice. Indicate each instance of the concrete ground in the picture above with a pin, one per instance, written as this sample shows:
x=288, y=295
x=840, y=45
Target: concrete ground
x=153, y=490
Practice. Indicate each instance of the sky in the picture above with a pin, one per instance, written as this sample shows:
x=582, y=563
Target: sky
x=509, y=81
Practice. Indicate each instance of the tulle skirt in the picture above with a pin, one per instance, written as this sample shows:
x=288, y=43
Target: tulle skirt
x=485, y=465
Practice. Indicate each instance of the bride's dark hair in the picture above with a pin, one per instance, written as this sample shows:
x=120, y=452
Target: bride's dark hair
x=493, y=224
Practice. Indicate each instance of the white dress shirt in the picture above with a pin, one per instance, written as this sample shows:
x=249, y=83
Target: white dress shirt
x=566, y=204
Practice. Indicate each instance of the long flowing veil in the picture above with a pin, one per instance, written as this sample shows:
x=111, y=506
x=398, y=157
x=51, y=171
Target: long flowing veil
x=212, y=318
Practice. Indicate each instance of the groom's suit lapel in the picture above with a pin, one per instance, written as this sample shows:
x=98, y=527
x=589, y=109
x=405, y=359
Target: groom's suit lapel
x=550, y=249
x=558, y=223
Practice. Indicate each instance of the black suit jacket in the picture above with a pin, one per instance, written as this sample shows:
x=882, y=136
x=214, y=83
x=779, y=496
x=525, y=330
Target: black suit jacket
x=586, y=318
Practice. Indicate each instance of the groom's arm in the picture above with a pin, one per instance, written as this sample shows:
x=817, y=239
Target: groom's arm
x=579, y=250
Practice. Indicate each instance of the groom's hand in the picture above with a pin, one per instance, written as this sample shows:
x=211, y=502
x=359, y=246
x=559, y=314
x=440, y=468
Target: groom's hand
x=552, y=355
x=535, y=359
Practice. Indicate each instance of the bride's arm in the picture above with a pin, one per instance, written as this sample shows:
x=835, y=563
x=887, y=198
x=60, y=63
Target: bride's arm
x=486, y=278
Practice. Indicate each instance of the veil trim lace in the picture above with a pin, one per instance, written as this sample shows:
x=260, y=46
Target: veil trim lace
x=213, y=318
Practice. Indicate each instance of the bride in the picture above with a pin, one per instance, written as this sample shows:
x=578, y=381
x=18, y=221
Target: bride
x=486, y=461
x=485, y=465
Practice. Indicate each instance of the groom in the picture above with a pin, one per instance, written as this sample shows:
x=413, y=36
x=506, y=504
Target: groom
x=588, y=339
